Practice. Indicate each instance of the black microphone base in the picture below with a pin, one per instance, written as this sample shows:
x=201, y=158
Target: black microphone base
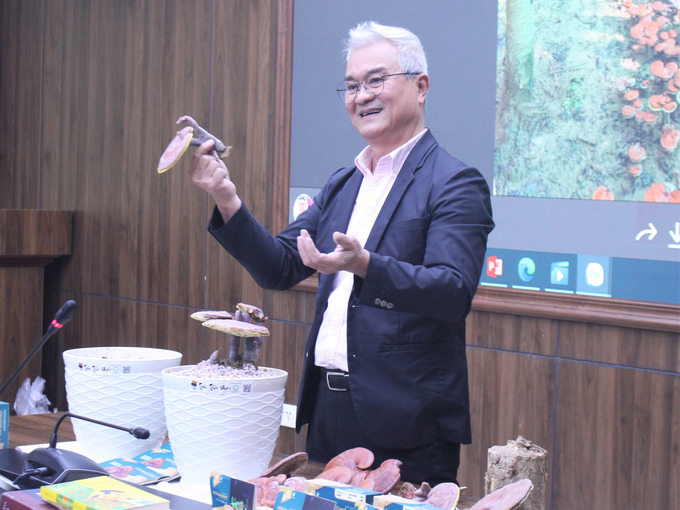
x=62, y=466
x=12, y=463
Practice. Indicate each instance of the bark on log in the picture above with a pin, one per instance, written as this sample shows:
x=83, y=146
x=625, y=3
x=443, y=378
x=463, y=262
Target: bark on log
x=516, y=460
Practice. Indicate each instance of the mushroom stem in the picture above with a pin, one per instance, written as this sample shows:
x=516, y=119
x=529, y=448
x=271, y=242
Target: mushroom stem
x=252, y=349
x=201, y=136
x=234, y=348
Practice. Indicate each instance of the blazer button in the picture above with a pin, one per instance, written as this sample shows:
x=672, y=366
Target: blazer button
x=377, y=301
x=389, y=306
x=383, y=303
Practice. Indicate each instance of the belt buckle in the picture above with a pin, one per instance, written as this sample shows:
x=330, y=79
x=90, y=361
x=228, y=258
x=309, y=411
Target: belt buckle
x=335, y=374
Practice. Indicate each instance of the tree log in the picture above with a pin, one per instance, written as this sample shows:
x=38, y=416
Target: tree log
x=517, y=460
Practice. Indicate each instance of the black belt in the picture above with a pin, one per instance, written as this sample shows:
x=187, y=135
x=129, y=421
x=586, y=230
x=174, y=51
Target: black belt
x=336, y=380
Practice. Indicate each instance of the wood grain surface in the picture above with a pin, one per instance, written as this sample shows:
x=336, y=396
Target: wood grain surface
x=21, y=78
x=33, y=236
x=20, y=325
x=37, y=429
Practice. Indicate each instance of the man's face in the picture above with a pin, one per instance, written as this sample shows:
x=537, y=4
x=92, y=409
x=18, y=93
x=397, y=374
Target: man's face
x=394, y=116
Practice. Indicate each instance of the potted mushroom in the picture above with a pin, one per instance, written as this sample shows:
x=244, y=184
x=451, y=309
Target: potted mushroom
x=224, y=414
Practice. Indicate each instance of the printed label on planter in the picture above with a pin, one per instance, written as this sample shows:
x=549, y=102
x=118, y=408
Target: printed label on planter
x=222, y=388
x=93, y=368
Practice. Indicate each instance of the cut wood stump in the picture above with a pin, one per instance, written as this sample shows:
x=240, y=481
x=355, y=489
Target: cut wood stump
x=517, y=460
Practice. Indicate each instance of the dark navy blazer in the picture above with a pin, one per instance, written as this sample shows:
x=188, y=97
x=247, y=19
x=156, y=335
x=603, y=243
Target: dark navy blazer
x=406, y=319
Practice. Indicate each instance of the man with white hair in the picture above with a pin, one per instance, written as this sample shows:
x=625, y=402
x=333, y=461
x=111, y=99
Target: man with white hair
x=399, y=239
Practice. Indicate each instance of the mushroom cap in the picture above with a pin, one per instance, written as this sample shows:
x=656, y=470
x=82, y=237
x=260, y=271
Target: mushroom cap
x=669, y=137
x=288, y=465
x=631, y=94
x=236, y=328
x=636, y=153
x=656, y=193
x=602, y=193
x=628, y=111
x=253, y=311
x=204, y=315
x=661, y=70
x=507, y=497
x=177, y=146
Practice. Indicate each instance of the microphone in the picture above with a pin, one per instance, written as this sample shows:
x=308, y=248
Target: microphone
x=64, y=314
x=62, y=317
x=46, y=466
x=138, y=432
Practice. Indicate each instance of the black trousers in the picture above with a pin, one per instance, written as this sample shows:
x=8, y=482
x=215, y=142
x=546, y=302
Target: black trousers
x=335, y=428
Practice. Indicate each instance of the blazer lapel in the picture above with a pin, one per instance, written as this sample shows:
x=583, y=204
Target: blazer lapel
x=413, y=162
x=339, y=212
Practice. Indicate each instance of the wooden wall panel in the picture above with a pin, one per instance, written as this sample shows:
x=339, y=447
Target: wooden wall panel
x=117, y=76
x=243, y=56
x=33, y=236
x=618, y=442
x=511, y=395
x=18, y=285
x=657, y=350
x=21, y=60
x=512, y=333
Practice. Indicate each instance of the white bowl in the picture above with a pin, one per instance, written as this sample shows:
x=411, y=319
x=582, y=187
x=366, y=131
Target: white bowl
x=118, y=385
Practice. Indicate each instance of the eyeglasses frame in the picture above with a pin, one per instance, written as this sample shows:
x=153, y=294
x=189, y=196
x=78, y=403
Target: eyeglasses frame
x=343, y=92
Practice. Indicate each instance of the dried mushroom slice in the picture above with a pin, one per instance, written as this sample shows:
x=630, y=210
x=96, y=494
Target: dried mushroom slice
x=204, y=315
x=236, y=328
x=177, y=147
x=506, y=498
x=287, y=466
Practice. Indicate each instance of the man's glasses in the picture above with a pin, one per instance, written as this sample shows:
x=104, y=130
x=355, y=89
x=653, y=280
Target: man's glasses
x=373, y=84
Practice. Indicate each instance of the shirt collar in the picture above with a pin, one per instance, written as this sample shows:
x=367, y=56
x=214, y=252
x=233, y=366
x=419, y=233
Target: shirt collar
x=397, y=156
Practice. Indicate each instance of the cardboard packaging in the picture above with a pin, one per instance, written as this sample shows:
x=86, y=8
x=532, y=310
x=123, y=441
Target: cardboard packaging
x=290, y=499
x=4, y=425
x=347, y=497
x=392, y=502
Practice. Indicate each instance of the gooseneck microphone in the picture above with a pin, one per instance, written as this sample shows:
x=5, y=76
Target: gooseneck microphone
x=138, y=432
x=46, y=466
x=62, y=317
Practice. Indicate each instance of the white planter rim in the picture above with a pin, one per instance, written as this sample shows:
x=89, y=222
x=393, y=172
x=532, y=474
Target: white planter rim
x=117, y=355
x=170, y=372
x=225, y=385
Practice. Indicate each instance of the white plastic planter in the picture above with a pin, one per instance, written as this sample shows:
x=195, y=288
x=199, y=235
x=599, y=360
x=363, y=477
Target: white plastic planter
x=224, y=425
x=119, y=385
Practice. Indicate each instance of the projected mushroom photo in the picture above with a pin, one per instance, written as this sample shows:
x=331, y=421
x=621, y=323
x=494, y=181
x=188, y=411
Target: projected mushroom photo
x=587, y=100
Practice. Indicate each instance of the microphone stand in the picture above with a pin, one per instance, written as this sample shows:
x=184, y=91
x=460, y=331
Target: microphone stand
x=63, y=316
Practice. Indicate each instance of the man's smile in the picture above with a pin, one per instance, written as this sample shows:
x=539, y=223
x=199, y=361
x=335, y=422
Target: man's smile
x=372, y=111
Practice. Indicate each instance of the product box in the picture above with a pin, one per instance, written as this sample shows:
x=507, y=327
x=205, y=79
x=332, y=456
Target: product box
x=315, y=484
x=392, y=502
x=231, y=494
x=4, y=425
x=290, y=499
x=347, y=497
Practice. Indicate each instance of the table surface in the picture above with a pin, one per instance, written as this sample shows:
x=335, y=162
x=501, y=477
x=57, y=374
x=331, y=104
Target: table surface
x=38, y=428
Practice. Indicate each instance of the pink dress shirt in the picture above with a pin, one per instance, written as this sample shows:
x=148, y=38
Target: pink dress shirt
x=331, y=343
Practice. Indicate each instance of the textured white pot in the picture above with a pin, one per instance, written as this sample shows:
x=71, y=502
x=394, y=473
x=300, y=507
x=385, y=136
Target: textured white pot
x=119, y=385
x=224, y=425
